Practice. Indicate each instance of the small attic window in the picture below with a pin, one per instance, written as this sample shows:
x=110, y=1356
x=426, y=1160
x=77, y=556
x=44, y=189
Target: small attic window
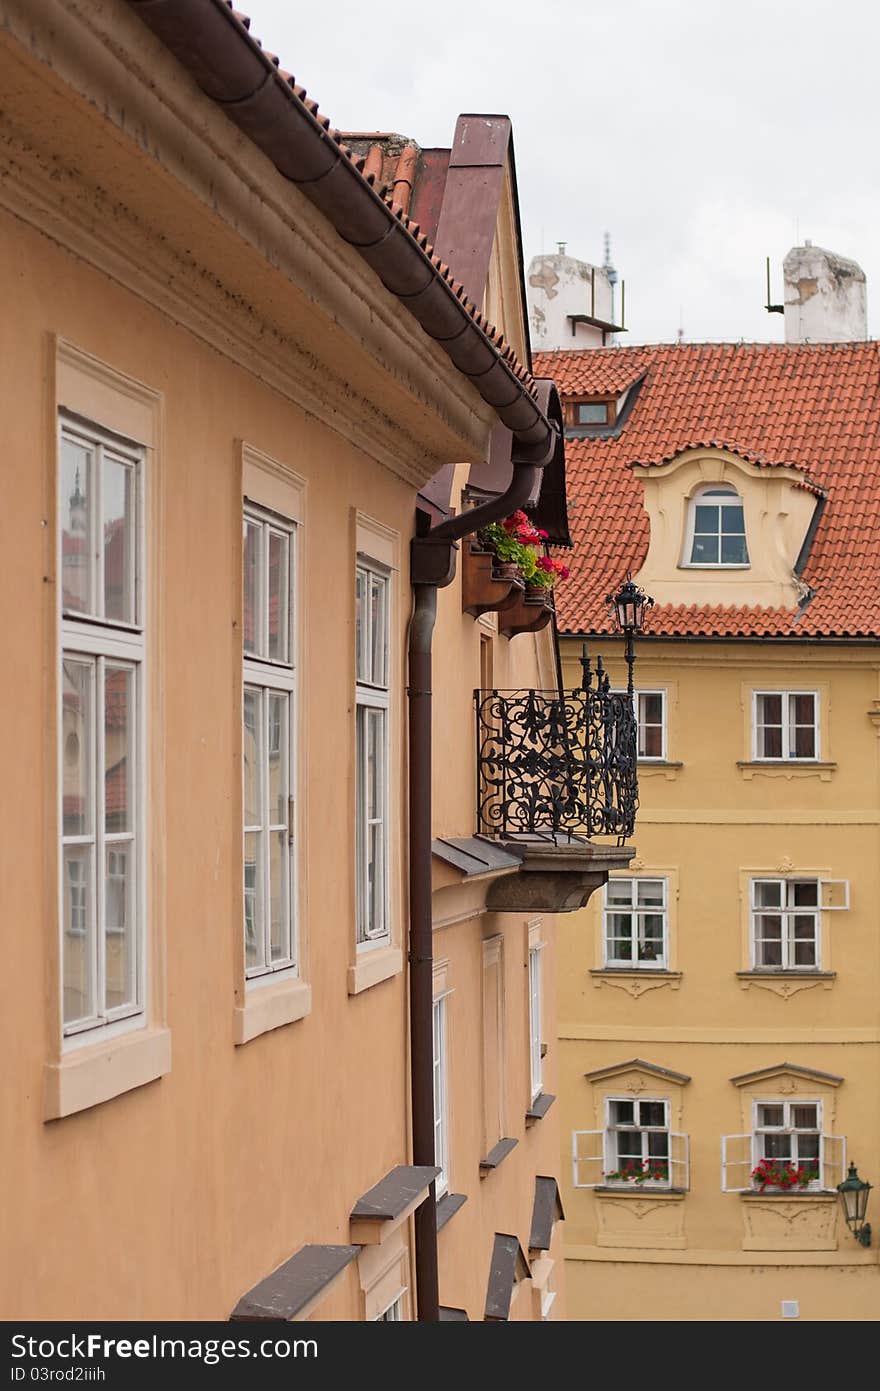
x=591, y=412
x=716, y=534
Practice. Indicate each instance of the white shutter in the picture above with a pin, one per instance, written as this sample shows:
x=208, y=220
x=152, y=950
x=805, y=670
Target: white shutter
x=588, y=1158
x=679, y=1160
x=833, y=895
x=736, y=1163
x=832, y=1169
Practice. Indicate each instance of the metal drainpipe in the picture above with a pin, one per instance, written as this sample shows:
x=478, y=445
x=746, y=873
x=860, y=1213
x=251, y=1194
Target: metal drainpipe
x=421, y=947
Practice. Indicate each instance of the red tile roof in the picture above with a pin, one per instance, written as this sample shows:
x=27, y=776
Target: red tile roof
x=813, y=407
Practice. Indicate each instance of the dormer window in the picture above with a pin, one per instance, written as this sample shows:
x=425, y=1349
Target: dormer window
x=592, y=411
x=716, y=529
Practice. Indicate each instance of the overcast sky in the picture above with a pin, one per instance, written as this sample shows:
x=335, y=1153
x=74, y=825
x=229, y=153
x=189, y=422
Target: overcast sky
x=704, y=135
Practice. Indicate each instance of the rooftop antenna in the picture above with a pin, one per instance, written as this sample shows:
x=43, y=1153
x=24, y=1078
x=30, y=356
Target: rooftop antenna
x=772, y=308
x=679, y=334
x=608, y=264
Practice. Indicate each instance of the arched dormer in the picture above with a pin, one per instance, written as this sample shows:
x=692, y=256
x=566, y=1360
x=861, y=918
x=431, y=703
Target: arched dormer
x=705, y=494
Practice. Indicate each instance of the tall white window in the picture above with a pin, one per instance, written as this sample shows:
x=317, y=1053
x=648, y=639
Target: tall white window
x=637, y=1142
x=535, y=1023
x=372, y=615
x=650, y=712
x=787, y=1150
x=786, y=724
x=268, y=746
x=785, y=923
x=636, y=923
x=100, y=507
x=441, y=1096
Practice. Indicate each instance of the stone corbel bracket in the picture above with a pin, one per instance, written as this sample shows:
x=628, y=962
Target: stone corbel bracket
x=555, y=878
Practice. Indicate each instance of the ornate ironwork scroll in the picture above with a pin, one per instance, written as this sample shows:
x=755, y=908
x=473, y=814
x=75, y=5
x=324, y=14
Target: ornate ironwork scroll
x=557, y=763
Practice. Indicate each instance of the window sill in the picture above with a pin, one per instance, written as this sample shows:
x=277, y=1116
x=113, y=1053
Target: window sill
x=786, y=768
x=89, y=1076
x=270, y=1006
x=785, y=983
x=827, y=1195
x=641, y=1191
x=372, y=967
x=497, y=1154
x=539, y=1107
x=448, y=1206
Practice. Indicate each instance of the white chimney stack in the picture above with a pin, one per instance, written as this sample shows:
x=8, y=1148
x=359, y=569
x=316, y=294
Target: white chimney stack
x=571, y=303
x=825, y=297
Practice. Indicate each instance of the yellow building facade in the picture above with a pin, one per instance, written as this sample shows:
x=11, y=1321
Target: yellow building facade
x=719, y=1044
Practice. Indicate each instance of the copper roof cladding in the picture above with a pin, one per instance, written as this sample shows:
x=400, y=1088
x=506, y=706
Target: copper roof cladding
x=811, y=407
x=211, y=40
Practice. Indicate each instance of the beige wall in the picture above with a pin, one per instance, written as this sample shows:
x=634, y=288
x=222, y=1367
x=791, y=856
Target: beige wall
x=708, y=825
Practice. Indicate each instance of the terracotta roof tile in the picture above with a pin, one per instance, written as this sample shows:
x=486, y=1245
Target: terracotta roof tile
x=812, y=407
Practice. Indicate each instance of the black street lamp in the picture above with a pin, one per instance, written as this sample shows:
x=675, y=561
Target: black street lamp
x=629, y=606
x=854, y=1196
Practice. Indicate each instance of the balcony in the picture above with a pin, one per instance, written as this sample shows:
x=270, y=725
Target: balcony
x=553, y=771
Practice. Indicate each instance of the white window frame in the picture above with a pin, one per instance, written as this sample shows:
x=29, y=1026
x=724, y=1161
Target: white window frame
x=267, y=677
x=731, y=497
x=93, y=639
x=641, y=725
x=393, y=1310
x=662, y=962
x=600, y=1152
x=751, y=1144
x=536, y=1062
x=789, y=916
x=787, y=725
x=373, y=695
x=440, y=1021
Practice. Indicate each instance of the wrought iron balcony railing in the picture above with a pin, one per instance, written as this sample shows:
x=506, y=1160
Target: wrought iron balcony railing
x=557, y=763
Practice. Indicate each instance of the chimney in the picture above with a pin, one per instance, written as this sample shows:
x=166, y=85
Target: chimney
x=571, y=303
x=825, y=297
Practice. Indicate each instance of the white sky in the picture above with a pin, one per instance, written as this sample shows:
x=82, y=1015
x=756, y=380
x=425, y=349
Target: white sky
x=704, y=135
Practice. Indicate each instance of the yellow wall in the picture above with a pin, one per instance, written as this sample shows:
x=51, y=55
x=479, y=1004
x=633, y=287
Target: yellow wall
x=708, y=824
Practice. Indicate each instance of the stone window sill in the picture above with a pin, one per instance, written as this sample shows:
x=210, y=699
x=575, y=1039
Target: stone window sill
x=372, y=967
x=825, y=1195
x=782, y=973
x=448, y=1206
x=668, y=768
x=641, y=1191
x=539, y=1108
x=91, y=1075
x=636, y=981
x=497, y=1154
x=786, y=768
x=268, y=1007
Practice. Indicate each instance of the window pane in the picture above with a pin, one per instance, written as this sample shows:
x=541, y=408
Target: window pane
x=379, y=636
x=770, y=709
x=622, y=1112
x=620, y=926
x=253, y=902
x=75, y=503
x=770, y=742
x=120, y=539
x=705, y=550
x=768, y=893
x=252, y=749
x=706, y=520
x=802, y=709
x=732, y=523
x=804, y=894
x=279, y=893
x=251, y=636
x=650, y=893
x=77, y=726
x=733, y=550
x=118, y=748
x=771, y=1115
x=808, y=1148
x=278, y=764
x=78, y=965
x=651, y=938
x=651, y=707
x=618, y=891
x=777, y=1146
x=279, y=592
x=805, y=1117
x=119, y=939
x=592, y=412
x=803, y=741
x=658, y=1147
x=652, y=1113
x=361, y=626
x=650, y=741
